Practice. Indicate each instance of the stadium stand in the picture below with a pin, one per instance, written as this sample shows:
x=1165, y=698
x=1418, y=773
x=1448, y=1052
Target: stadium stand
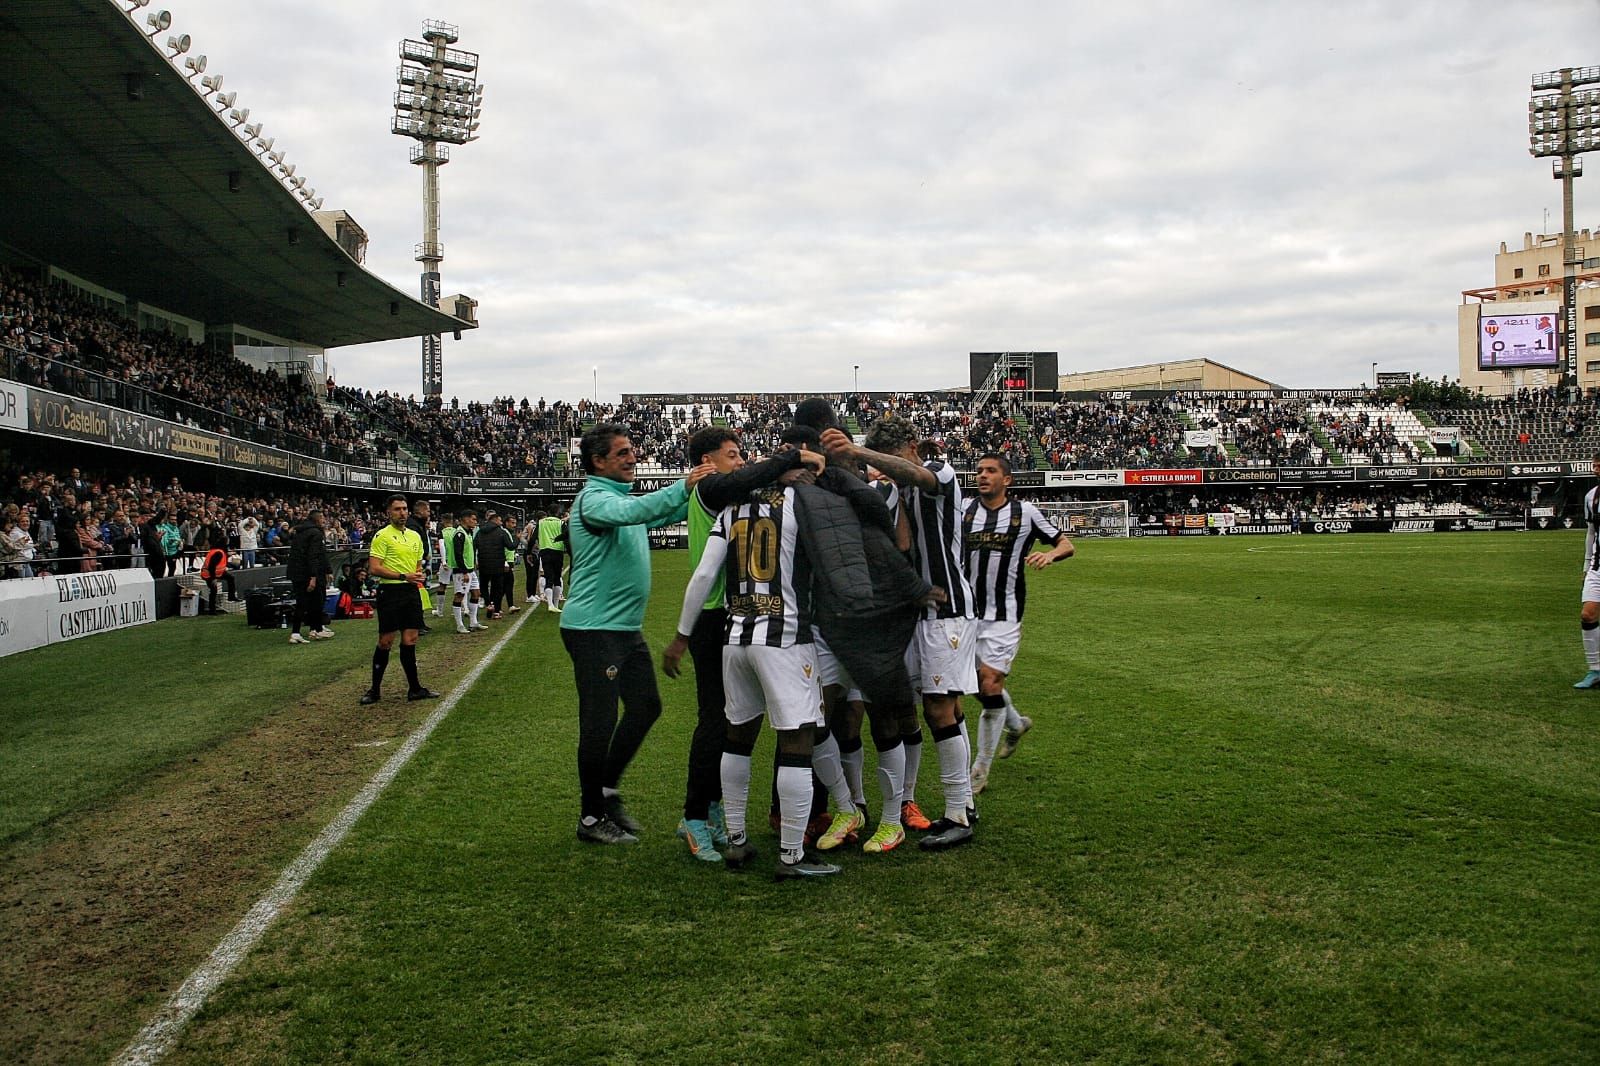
x=60, y=340
x=107, y=509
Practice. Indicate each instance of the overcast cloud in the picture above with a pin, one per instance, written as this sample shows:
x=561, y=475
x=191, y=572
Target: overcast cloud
x=751, y=196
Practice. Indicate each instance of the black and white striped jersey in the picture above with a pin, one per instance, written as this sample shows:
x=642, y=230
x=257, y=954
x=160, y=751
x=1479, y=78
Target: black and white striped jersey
x=1591, y=524
x=935, y=517
x=767, y=572
x=997, y=543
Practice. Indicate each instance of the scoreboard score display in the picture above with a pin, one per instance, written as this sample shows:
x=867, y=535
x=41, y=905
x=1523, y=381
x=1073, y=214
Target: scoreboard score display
x=1043, y=375
x=1511, y=342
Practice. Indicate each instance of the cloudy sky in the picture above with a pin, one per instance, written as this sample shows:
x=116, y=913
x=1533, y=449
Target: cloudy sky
x=761, y=196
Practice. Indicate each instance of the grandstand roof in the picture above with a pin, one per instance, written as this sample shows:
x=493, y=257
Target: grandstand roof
x=133, y=194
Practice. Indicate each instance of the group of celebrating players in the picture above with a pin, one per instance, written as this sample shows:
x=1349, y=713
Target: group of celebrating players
x=835, y=585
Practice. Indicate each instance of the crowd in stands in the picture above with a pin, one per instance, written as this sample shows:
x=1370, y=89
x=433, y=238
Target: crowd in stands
x=58, y=338
x=1360, y=432
x=502, y=438
x=65, y=522
x=1108, y=434
x=64, y=341
x=962, y=433
x=1267, y=432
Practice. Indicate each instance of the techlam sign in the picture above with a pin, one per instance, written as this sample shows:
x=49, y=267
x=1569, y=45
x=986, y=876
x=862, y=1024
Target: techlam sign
x=1163, y=477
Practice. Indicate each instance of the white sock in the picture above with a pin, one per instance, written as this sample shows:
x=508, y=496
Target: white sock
x=908, y=786
x=555, y=595
x=1591, y=647
x=794, y=804
x=854, y=762
x=472, y=613
x=825, y=764
x=456, y=610
x=953, y=777
x=966, y=738
x=735, y=792
x=1013, y=719
x=891, y=778
x=990, y=726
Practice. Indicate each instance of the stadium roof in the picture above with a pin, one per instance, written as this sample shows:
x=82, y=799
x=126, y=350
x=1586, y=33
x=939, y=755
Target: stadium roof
x=133, y=194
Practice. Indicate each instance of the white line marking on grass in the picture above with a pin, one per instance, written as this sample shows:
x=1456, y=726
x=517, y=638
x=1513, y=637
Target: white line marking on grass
x=162, y=1031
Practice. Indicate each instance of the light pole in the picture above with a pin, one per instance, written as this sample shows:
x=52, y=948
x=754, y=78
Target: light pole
x=596, y=385
x=1565, y=124
x=1374, y=375
x=858, y=377
x=437, y=102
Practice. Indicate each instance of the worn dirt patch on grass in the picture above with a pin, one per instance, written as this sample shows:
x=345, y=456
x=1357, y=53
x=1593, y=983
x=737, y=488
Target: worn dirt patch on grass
x=104, y=912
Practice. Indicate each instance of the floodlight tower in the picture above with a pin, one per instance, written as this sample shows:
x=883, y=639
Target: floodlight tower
x=437, y=103
x=1565, y=123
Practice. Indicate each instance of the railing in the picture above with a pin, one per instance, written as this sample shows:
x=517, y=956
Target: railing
x=32, y=368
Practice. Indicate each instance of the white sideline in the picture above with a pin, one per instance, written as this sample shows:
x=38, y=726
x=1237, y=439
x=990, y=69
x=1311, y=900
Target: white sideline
x=159, y=1034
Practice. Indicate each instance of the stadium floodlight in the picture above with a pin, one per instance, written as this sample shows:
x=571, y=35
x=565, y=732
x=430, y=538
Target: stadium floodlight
x=251, y=132
x=134, y=5
x=1564, y=122
x=177, y=45
x=225, y=101
x=315, y=205
x=212, y=83
x=275, y=157
x=159, y=22
x=437, y=103
x=264, y=145
x=238, y=117
x=196, y=65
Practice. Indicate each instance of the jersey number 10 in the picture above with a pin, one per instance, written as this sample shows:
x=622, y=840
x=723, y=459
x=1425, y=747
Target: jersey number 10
x=756, y=542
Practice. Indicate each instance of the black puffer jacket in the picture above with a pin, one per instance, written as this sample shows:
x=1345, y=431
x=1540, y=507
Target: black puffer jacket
x=849, y=536
x=308, y=554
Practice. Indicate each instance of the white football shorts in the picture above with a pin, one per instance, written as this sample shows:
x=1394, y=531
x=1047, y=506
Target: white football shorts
x=942, y=657
x=783, y=683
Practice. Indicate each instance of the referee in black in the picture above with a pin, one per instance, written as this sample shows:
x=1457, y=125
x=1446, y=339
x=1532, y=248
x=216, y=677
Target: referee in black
x=395, y=559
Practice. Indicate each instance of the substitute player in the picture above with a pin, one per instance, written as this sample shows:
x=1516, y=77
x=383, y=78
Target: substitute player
x=997, y=532
x=396, y=561
x=1590, y=614
x=552, y=553
x=461, y=556
x=941, y=657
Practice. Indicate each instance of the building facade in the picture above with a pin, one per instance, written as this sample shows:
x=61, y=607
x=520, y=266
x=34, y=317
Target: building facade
x=1528, y=281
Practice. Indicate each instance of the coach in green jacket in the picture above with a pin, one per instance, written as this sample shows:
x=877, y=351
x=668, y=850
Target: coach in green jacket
x=610, y=586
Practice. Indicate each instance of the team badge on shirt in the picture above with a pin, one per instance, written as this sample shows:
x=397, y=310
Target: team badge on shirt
x=611, y=673
x=807, y=669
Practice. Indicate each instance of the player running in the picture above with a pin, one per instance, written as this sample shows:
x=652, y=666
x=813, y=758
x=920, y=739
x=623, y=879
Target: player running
x=997, y=532
x=1590, y=615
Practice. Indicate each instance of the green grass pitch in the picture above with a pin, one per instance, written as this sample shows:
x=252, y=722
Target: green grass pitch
x=1287, y=799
